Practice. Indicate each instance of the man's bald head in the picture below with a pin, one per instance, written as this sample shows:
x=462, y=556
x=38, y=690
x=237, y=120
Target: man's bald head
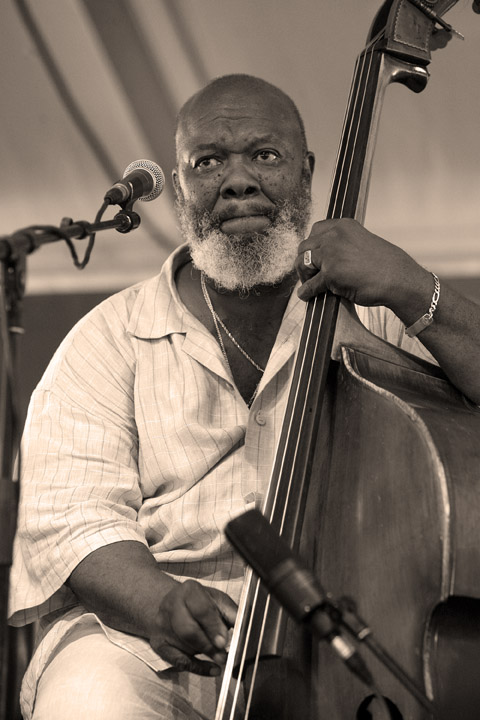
x=238, y=90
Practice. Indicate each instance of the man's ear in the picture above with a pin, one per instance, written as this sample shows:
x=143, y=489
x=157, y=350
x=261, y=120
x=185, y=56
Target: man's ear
x=176, y=184
x=309, y=163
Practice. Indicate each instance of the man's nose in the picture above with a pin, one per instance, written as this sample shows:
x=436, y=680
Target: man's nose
x=240, y=181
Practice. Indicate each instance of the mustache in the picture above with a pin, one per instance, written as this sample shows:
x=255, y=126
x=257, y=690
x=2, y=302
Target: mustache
x=213, y=220
x=234, y=210
x=206, y=220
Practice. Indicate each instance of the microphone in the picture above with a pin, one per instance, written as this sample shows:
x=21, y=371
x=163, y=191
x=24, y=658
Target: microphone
x=293, y=585
x=142, y=180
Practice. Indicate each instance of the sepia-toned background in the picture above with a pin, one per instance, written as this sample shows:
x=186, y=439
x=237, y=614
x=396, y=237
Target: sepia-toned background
x=88, y=86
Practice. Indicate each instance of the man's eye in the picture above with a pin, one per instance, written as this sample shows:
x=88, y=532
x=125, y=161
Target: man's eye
x=207, y=163
x=267, y=156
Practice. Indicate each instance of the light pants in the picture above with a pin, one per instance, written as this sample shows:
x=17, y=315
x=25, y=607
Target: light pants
x=89, y=678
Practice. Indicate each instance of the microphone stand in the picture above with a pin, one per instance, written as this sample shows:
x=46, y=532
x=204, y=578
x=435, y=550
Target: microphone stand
x=13, y=249
x=302, y=596
x=344, y=615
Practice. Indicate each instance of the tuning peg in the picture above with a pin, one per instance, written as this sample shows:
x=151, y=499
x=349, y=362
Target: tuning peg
x=439, y=20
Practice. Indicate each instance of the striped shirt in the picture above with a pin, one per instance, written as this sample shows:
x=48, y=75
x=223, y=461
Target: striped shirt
x=137, y=432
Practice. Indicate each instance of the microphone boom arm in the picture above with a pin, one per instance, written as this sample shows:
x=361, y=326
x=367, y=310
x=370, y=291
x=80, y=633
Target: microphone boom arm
x=27, y=240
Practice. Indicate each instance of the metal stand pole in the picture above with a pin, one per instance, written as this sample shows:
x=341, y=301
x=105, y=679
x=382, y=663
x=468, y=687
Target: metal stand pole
x=11, y=294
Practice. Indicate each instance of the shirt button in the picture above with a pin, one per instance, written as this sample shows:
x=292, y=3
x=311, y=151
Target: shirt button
x=260, y=418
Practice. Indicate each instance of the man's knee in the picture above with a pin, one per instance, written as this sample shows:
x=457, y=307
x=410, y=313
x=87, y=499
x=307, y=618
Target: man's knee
x=91, y=678
x=83, y=694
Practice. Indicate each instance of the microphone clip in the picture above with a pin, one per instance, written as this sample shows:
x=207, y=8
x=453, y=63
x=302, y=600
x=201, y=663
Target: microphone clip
x=130, y=220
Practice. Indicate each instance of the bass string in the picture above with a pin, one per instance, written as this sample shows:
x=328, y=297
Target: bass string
x=232, y=655
x=357, y=110
x=240, y=662
x=300, y=382
x=350, y=129
x=347, y=122
x=339, y=168
x=255, y=582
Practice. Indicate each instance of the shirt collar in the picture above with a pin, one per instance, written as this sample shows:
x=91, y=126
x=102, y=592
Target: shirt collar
x=158, y=310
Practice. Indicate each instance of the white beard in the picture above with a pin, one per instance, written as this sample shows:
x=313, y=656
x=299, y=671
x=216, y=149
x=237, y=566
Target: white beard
x=242, y=262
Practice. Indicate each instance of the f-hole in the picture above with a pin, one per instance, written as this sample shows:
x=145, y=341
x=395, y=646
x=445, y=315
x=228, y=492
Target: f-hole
x=366, y=709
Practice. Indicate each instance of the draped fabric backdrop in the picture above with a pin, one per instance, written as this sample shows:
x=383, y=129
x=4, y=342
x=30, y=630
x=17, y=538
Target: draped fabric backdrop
x=87, y=86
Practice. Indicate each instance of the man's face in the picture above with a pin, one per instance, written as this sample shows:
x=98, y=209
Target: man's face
x=242, y=175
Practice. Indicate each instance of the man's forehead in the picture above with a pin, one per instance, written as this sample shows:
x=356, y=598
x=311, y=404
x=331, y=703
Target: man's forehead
x=232, y=109
x=223, y=126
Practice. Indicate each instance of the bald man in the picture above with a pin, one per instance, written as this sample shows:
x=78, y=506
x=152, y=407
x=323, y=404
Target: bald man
x=157, y=419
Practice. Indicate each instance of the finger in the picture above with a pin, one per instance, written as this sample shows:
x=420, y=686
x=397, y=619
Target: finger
x=188, y=634
x=186, y=663
x=187, y=642
x=178, y=628
x=227, y=608
x=319, y=229
x=212, y=623
x=312, y=287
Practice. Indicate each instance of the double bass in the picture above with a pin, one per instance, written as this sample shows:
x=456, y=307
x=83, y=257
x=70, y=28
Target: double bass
x=375, y=483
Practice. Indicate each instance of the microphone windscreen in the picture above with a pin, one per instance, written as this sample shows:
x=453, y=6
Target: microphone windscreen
x=155, y=171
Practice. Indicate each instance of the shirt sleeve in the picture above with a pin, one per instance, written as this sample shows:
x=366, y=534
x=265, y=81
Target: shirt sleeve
x=385, y=324
x=80, y=488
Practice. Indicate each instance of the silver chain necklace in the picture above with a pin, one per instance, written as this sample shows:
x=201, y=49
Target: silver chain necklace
x=217, y=321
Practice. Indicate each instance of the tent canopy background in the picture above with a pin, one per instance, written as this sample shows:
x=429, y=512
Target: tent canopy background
x=127, y=67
